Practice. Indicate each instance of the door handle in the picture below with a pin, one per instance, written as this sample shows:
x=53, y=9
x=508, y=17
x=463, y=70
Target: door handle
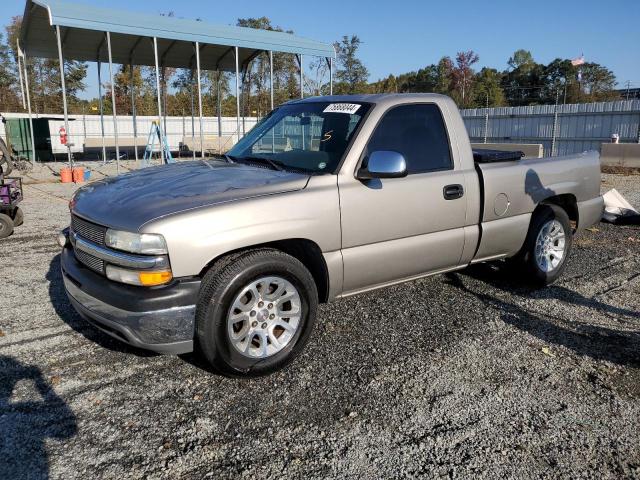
x=453, y=192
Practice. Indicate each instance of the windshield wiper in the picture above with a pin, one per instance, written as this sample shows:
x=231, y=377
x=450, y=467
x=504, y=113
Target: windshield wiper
x=275, y=164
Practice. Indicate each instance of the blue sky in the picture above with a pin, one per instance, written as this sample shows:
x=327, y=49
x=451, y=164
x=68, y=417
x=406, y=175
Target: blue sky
x=403, y=35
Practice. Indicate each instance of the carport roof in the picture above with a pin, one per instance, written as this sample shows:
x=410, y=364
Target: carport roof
x=83, y=26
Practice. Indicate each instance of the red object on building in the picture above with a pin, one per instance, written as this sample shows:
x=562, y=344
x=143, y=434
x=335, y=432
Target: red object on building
x=63, y=136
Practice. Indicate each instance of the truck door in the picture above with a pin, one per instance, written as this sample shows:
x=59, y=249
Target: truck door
x=404, y=227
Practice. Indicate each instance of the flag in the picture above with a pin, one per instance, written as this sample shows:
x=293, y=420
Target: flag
x=578, y=61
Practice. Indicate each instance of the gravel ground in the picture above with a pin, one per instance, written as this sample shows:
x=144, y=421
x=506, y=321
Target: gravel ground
x=459, y=375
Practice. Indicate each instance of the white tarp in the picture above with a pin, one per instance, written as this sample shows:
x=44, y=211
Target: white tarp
x=617, y=209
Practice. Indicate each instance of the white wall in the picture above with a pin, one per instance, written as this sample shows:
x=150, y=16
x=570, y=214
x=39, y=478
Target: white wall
x=81, y=127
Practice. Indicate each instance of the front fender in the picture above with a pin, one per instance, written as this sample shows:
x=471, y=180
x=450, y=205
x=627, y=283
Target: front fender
x=194, y=238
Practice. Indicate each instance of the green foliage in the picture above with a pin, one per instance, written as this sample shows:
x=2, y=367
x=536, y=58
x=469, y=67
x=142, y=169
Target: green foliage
x=487, y=89
x=351, y=75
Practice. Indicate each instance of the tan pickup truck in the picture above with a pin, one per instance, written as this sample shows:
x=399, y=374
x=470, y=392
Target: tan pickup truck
x=326, y=197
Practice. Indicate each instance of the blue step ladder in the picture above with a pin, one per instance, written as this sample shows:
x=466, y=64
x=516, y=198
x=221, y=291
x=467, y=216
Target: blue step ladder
x=156, y=133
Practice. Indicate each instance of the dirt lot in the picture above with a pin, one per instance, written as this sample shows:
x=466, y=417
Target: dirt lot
x=460, y=375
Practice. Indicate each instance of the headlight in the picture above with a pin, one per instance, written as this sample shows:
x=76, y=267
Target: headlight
x=136, y=277
x=145, y=243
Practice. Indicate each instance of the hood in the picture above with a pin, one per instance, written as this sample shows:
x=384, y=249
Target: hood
x=129, y=201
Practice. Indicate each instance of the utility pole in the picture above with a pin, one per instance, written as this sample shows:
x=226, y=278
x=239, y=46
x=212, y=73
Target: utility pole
x=464, y=80
x=628, y=87
x=555, y=124
x=486, y=120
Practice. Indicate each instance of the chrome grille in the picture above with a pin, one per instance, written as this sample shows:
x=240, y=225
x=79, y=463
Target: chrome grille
x=94, y=263
x=90, y=231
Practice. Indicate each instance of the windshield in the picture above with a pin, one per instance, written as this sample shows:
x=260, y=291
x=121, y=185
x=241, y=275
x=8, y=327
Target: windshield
x=311, y=137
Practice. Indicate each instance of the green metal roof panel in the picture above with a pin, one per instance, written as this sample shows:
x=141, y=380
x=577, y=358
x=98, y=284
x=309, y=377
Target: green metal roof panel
x=83, y=26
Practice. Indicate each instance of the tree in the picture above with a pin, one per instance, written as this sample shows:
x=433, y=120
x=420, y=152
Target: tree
x=462, y=75
x=589, y=82
x=523, y=84
x=444, y=76
x=255, y=94
x=387, y=85
x=352, y=75
x=423, y=81
x=314, y=81
x=44, y=78
x=487, y=88
x=597, y=83
x=560, y=80
x=521, y=59
x=8, y=78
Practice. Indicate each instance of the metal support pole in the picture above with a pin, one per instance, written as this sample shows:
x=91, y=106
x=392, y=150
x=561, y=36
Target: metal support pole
x=301, y=77
x=330, y=75
x=243, y=98
x=155, y=53
x=101, y=104
x=193, y=120
x=219, y=108
x=236, y=50
x=113, y=104
x=133, y=111
x=273, y=131
x=24, y=105
x=486, y=120
x=84, y=127
x=200, y=99
x=64, y=94
x=555, y=125
x=26, y=85
x=163, y=84
x=271, y=75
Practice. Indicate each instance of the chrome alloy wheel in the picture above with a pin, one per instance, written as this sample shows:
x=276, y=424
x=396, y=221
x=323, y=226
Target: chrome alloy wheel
x=264, y=317
x=550, y=246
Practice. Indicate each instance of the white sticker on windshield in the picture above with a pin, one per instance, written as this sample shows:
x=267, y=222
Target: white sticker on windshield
x=348, y=108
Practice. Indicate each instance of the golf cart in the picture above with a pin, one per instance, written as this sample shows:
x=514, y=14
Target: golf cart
x=10, y=196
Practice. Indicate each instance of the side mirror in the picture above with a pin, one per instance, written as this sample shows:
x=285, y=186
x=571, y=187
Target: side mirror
x=383, y=164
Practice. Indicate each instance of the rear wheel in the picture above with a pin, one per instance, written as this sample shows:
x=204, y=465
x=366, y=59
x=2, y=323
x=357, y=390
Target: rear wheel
x=255, y=313
x=543, y=256
x=6, y=225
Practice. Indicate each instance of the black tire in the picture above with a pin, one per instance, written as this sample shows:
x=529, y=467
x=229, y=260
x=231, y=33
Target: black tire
x=222, y=283
x=6, y=225
x=524, y=263
x=18, y=217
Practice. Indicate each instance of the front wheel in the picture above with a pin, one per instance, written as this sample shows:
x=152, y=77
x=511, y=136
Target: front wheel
x=6, y=225
x=543, y=256
x=255, y=312
x=18, y=217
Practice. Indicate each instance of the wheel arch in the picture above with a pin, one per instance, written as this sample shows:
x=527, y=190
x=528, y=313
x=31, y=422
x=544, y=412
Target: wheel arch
x=306, y=251
x=567, y=202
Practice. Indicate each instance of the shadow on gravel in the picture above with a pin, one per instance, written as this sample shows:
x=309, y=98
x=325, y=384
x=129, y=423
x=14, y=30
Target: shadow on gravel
x=599, y=343
x=68, y=314
x=25, y=426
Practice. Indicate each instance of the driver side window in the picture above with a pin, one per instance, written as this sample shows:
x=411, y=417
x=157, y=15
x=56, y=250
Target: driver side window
x=417, y=131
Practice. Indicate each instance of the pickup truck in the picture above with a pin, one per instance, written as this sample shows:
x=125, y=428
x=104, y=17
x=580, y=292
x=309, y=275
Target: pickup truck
x=324, y=198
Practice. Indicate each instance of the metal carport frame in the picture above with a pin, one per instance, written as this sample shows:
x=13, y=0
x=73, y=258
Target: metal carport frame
x=57, y=29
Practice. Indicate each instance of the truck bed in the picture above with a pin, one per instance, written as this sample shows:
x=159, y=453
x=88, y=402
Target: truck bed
x=511, y=190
